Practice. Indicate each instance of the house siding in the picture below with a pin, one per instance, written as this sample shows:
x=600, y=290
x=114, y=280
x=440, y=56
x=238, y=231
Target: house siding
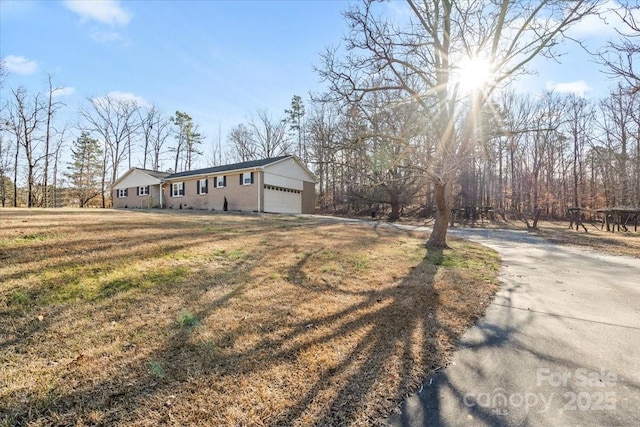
x=308, y=198
x=239, y=197
x=286, y=173
x=154, y=192
x=119, y=202
x=134, y=201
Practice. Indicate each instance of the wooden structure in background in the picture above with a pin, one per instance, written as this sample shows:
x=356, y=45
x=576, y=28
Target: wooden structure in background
x=619, y=218
x=466, y=214
x=575, y=217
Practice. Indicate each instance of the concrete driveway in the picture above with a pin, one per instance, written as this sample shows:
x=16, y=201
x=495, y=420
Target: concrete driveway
x=559, y=345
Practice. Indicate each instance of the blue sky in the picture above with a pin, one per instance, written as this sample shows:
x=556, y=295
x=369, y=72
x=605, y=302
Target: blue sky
x=218, y=61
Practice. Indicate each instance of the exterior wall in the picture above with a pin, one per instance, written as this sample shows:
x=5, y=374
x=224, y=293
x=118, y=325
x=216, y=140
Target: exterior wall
x=288, y=168
x=136, y=178
x=133, y=201
x=239, y=197
x=154, y=192
x=119, y=203
x=309, y=198
x=282, y=181
x=290, y=174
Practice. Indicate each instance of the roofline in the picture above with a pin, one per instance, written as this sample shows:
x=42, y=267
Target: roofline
x=252, y=168
x=300, y=163
x=117, y=181
x=209, y=174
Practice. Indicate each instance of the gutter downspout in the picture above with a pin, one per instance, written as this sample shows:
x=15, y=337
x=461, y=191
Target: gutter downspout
x=259, y=188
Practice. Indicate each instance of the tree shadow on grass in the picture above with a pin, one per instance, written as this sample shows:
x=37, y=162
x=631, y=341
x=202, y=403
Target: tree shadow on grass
x=498, y=362
x=398, y=334
x=431, y=405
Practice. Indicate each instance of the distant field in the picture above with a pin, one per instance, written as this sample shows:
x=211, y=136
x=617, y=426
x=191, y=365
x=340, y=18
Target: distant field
x=618, y=243
x=183, y=318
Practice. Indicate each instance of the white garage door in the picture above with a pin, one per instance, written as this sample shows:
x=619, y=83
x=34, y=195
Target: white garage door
x=281, y=200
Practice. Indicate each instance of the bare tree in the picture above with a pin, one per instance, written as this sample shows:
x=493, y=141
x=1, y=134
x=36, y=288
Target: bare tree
x=241, y=140
x=268, y=135
x=52, y=107
x=618, y=133
x=424, y=58
x=26, y=119
x=323, y=135
x=57, y=154
x=161, y=131
x=155, y=129
x=619, y=56
x=147, y=117
x=581, y=115
x=115, y=121
x=216, y=155
x=5, y=168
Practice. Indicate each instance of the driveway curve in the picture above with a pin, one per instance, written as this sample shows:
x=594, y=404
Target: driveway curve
x=558, y=346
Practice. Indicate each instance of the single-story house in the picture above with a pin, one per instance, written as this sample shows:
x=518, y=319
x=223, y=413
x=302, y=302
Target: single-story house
x=277, y=185
x=138, y=188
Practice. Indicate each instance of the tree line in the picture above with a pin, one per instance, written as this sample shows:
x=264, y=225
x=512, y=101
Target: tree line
x=395, y=132
x=110, y=133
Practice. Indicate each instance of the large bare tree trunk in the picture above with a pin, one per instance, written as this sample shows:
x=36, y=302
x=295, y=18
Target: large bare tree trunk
x=438, y=238
x=15, y=174
x=52, y=107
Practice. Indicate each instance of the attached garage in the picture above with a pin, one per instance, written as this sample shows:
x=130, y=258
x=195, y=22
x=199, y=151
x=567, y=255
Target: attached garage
x=282, y=200
x=275, y=185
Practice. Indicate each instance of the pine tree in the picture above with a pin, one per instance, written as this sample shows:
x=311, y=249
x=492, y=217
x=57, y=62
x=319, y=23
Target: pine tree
x=85, y=171
x=188, y=138
x=296, y=114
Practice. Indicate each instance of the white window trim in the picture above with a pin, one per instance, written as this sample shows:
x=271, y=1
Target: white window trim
x=143, y=190
x=206, y=185
x=246, y=175
x=122, y=193
x=179, y=186
x=220, y=181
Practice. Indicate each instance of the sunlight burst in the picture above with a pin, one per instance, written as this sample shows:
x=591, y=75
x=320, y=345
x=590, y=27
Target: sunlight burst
x=474, y=74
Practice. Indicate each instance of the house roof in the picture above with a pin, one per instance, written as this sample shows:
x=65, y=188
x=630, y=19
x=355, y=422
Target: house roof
x=231, y=167
x=154, y=174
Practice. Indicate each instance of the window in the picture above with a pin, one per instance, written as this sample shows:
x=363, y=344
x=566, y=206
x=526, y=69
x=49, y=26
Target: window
x=122, y=193
x=219, y=181
x=202, y=186
x=143, y=191
x=177, y=189
x=246, y=178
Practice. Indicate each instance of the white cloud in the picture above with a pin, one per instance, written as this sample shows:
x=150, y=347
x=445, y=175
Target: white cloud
x=603, y=24
x=128, y=97
x=106, y=36
x=63, y=91
x=578, y=87
x=104, y=11
x=19, y=65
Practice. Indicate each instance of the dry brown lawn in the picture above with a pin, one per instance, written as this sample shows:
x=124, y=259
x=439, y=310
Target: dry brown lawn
x=183, y=318
x=618, y=243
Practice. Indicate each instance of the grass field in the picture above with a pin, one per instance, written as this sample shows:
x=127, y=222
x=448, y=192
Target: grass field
x=144, y=318
x=618, y=243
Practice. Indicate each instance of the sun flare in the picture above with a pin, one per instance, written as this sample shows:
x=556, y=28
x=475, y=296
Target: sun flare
x=474, y=74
